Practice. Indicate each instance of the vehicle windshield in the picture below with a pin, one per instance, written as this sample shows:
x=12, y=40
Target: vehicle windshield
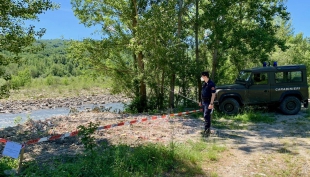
x=243, y=76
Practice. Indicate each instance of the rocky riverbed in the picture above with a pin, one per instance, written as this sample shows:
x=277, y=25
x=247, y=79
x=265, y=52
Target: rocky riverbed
x=33, y=129
x=161, y=130
x=19, y=106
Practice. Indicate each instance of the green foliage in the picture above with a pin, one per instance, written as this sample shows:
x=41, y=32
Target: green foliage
x=60, y=87
x=86, y=135
x=298, y=51
x=21, y=79
x=200, y=151
x=140, y=49
x=51, y=80
x=124, y=160
x=28, y=118
x=47, y=63
x=15, y=38
x=136, y=105
x=254, y=117
x=240, y=32
x=52, y=60
x=7, y=163
x=134, y=50
x=65, y=81
x=18, y=120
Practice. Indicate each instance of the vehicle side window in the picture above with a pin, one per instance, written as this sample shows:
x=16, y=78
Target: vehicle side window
x=260, y=78
x=288, y=76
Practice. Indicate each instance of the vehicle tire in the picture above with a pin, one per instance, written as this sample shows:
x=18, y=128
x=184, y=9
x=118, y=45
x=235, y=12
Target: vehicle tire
x=290, y=105
x=230, y=106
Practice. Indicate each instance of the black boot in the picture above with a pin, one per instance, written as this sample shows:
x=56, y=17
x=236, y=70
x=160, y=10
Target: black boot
x=207, y=132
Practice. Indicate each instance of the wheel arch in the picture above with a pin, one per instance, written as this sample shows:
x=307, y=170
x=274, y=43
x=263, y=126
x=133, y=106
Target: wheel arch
x=297, y=94
x=236, y=96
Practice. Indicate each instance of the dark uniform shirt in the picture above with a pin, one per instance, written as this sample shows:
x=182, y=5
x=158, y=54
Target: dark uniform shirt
x=207, y=90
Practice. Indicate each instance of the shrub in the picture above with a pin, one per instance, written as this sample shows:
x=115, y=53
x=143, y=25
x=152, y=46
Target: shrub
x=21, y=79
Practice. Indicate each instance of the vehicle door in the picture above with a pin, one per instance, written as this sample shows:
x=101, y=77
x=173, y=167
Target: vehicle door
x=259, y=90
x=290, y=82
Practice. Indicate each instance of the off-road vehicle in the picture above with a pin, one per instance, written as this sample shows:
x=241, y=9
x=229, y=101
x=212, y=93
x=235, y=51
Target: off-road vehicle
x=283, y=87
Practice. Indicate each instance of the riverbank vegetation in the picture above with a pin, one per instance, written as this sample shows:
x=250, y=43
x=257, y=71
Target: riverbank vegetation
x=60, y=87
x=176, y=159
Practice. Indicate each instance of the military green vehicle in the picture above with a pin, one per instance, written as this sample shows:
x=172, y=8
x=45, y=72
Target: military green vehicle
x=283, y=87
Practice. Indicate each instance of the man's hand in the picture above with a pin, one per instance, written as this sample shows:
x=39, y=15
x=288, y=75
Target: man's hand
x=210, y=106
x=200, y=104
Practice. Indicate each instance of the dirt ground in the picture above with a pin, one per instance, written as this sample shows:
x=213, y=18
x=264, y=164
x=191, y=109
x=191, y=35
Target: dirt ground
x=277, y=149
x=281, y=148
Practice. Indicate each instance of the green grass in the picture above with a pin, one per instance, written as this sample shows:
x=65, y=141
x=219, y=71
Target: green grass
x=254, y=117
x=284, y=165
x=307, y=111
x=7, y=163
x=55, y=87
x=241, y=120
x=123, y=160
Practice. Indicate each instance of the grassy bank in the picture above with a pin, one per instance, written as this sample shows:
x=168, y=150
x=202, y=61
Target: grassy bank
x=57, y=87
x=123, y=160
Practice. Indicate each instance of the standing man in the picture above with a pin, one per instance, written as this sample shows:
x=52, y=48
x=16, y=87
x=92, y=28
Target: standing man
x=207, y=100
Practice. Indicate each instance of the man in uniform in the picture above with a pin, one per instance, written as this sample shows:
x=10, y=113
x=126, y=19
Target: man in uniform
x=207, y=99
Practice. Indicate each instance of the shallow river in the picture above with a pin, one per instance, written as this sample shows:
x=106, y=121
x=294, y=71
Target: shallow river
x=8, y=119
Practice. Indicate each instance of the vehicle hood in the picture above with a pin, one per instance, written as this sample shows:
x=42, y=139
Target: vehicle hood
x=231, y=86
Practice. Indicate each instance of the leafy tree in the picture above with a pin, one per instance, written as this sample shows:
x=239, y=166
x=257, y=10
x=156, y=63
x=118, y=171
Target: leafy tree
x=298, y=51
x=242, y=31
x=120, y=21
x=15, y=38
x=148, y=44
x=123, y=53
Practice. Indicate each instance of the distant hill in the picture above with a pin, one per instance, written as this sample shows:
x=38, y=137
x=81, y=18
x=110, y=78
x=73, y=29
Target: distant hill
x=52, y=60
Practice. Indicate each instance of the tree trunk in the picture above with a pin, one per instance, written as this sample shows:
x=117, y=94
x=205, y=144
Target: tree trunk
x=162, y=90
x=197, y=51
x=172, y=81
x=139, y=59
x=215, y=61
x=143, y=101
x=171, y=95
x=134, y=24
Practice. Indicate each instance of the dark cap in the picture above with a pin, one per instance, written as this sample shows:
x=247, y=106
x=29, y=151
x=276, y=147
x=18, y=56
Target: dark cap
x=205, y=73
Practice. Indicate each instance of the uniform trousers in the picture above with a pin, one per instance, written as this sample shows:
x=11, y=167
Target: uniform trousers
x=207, y=115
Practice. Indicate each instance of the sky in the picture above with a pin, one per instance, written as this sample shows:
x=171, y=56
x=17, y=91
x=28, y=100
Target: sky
x=300, y=16
x=62, y=23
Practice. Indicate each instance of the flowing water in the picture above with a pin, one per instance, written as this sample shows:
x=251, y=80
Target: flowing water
x=9, y=119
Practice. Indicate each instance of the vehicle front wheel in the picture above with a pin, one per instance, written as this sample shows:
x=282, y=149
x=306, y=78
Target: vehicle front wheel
x=230, y=106
x=290, y=105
